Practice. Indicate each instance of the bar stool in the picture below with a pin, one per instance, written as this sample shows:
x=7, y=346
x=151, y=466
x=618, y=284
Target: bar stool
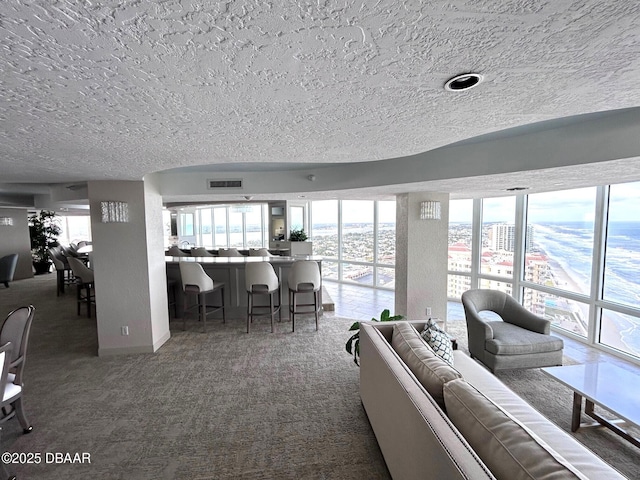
x=84, y=279
x=172, y=300
x=229, y=252
x=304, y=277
x=196, y=282
x=261, y=279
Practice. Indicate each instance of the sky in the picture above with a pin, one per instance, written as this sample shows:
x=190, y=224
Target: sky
x=561, y=206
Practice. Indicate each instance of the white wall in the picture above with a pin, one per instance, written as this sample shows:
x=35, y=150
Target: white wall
x=421, y=257
x=15, y=239
x=129, y=268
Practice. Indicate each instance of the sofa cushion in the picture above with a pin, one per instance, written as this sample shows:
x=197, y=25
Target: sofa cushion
x=438, y=340
x=430, y=370
x=510, y=339
x=508, y=448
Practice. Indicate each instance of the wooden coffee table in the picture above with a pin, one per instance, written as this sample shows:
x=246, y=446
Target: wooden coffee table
x=608, y=386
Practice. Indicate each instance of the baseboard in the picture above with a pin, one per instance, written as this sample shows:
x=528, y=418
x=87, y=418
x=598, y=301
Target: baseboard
x=135, y=350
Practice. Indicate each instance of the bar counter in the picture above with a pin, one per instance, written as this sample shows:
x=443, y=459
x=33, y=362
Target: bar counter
x=230, y=270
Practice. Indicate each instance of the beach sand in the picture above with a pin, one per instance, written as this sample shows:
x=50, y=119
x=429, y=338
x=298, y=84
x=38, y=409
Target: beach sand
x=610, y=328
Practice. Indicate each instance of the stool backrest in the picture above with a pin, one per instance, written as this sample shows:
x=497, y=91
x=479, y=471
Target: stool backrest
x=304, y=272
x=193, y=274
x=260, y=273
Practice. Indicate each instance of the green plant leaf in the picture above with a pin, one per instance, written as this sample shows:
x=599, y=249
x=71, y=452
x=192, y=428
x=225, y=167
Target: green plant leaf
x=384, y=316
x=355, y=326
x=356, y=353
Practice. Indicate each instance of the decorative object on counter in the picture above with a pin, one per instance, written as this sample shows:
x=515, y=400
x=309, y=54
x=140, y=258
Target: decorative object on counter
x=353, y=344
x=44, y=231
x=298, y=235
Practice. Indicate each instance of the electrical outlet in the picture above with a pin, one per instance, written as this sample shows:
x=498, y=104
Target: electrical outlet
x=125, y=330
x=428, y=312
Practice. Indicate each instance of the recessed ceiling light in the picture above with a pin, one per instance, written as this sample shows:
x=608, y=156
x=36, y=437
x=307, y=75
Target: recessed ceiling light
x=463, y=82
x=516, y=189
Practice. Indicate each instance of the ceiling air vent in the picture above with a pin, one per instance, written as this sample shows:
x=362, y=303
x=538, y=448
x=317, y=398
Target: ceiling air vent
x=227, y=183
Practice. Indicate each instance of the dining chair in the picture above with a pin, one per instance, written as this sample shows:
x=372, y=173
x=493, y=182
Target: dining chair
x=84, y=280
x=304, y=277
x=63, y=269
x=15, y=332
x=261, y=279
x=196, y=282
x=8, y=268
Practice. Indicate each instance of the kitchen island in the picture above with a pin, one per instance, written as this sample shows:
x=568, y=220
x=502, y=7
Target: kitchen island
x=230, y=270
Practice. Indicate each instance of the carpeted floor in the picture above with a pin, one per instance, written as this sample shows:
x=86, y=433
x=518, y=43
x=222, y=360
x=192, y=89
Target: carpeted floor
x=219, y=405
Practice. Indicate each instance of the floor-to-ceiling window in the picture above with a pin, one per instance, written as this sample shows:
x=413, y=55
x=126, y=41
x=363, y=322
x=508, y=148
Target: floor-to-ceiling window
x=560, y=241
x=619, y=316
x=75, y=228
x=356, y=239
x=223, y=226
x=324, y=234
x=571, y=256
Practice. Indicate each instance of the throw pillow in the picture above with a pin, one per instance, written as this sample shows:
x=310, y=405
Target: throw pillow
x=430, y=370
x=438, y=340
x=507, y=447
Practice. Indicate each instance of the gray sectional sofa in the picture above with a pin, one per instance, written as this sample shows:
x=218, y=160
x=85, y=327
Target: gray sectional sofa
x=433, y=420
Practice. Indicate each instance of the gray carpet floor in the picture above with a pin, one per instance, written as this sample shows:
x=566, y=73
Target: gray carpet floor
x=216, y=405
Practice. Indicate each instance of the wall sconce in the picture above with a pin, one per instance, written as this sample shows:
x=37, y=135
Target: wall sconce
x=430, y=210
x=6, y=221
x=114, y=212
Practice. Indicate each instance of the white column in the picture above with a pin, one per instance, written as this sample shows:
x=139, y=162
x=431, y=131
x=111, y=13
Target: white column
x=129, y=269
x=421, y=257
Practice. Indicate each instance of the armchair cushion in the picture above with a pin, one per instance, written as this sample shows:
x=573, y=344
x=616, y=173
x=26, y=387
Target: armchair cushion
x=510, y=339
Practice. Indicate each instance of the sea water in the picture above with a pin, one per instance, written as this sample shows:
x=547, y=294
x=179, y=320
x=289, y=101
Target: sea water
x=570, y=245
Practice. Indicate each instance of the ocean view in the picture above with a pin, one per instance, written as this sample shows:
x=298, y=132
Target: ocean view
x=569, y=248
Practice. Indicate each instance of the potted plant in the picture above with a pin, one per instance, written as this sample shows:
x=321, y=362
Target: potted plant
x=353, y=344
x=44, y=231
x=298, y=235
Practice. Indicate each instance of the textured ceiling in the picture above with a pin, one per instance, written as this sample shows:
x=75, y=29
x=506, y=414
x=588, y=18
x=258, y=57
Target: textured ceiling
x=119, y=89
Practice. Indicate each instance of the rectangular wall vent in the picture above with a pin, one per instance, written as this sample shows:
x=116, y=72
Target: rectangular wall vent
x=227, y=183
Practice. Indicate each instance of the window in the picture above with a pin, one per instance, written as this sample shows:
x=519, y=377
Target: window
x=622, y=254
x=620, y=332
x=386, y=244
x=324, y=229
x=206, y=233
x=220, y=227
x=560, y=228
x=361, y=247
x=460, y=230
x=186, y=224
x=498, y=236
x=74, y=229
x=254, y=227
x=357, y=230
x=578, y=266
